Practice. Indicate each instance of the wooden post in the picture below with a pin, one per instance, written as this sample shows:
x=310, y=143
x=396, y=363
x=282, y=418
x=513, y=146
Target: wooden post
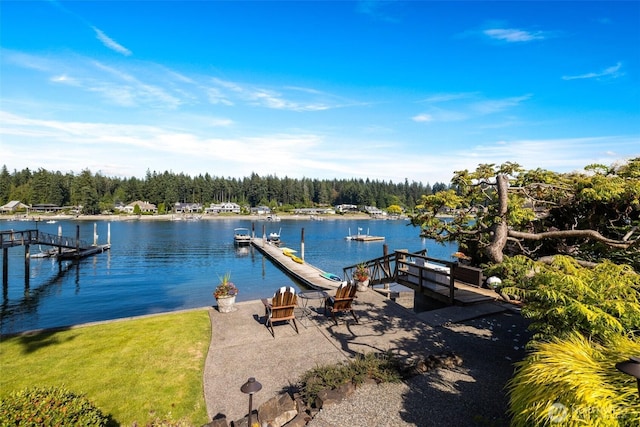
x=77, y=241
x=5, y=267
x=27, y=265
x=385, y=254
x=452, y=288
x=302, y=244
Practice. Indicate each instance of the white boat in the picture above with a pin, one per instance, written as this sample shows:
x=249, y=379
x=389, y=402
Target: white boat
x=274, y=237
x=353, y=236
x=274, y=218
x=241, y=236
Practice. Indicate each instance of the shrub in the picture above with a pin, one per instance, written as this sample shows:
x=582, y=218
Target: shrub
x=573, y=382
x=382, y=367
x=53, y=406
x=563, y=297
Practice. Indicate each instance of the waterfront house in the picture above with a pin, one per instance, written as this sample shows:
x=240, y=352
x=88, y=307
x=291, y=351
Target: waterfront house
x=346, y=208
x=145, y=207
x=187, y=207
x=13, y=206
x=261, y=210
x=228, y=207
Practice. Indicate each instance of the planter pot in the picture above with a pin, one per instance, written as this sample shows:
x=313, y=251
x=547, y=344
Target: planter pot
x=226, y=304
x=362, y=286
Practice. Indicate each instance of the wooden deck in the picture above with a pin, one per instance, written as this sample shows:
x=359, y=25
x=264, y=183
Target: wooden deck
x=305, y=273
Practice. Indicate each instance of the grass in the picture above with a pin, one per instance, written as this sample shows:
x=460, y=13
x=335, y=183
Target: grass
x=140, y=371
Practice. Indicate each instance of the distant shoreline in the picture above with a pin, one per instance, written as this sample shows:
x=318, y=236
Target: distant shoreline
x=177, y=217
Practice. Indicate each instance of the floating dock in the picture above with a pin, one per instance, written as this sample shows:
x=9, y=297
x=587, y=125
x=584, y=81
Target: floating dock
x=304, y=273
x=366, y=238
x=85, y=252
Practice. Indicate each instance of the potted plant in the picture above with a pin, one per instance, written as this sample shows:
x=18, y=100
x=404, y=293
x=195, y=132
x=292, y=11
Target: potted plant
x=361, y=276
x=225, y=294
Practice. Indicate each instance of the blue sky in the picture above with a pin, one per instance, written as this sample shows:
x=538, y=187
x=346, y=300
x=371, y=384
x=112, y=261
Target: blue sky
x=320, y=89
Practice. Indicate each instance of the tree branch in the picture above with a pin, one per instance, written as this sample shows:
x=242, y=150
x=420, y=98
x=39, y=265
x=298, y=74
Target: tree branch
x=561, y=234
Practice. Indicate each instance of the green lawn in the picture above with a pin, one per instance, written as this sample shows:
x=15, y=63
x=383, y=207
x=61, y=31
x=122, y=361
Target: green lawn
x=139, y=370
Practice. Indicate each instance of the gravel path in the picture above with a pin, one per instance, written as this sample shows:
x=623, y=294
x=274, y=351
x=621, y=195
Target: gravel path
x=472, y=394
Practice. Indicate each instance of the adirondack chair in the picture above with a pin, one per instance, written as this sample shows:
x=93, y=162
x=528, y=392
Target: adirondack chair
x=281, y=308
x=342, y=301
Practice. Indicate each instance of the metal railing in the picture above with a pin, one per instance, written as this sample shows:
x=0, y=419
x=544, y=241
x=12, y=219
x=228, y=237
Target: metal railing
x=11, y=238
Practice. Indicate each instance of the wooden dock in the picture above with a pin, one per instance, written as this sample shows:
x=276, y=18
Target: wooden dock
x=305, y=273
x=62, y=247
x=394, y=276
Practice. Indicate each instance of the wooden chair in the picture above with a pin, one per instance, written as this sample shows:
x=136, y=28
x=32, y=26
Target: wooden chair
x=342, y=301
x=281, y=308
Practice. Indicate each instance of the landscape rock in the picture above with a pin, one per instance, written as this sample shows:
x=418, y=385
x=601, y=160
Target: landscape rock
x=244, y=422
x=448, y=360
x=217, y=422
x=277, y=411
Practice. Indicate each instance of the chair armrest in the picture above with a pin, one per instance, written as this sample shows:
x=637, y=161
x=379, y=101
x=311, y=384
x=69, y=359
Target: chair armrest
x=266, y=302
x=284, y=307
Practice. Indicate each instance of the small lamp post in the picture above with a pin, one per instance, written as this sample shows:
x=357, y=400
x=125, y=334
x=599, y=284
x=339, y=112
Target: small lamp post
x=631, y=367
x=250, y=387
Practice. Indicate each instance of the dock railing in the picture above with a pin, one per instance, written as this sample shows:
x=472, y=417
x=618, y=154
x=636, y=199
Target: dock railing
x=424, y=274
x=11, y=238
x=383, y=269
x=412, y=269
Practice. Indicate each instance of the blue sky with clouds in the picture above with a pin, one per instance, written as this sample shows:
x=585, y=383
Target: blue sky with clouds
x=385, y=90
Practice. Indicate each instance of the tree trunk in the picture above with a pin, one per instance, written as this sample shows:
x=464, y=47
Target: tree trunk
x=500, y=230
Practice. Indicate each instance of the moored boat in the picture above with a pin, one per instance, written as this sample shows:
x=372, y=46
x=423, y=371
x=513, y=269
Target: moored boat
x=330, y=276
x=241, y=236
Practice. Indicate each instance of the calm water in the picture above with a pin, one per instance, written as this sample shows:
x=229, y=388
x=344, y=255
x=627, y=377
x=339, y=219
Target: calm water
x=160, y=266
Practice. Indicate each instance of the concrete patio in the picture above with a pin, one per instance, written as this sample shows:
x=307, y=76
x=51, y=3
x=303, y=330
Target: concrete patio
x=242, y=347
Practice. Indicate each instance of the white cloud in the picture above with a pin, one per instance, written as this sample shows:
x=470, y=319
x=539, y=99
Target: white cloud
x=498, y=105
x=447, y=97
x=110, y=43
x=611, y=72
x=313, y=100
x=512, y=35
x=421, y=118
x=469, y=110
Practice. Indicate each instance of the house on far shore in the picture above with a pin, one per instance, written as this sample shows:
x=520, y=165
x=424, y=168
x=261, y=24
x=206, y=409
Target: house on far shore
x=187, y=207
x=374, y=211
x=228, y=207
x=261, y=210
x=346, y=208
x=145, y=207
x=13, y=206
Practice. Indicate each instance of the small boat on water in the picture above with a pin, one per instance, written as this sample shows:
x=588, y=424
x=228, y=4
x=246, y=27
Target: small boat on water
x=274, y=218
x=354, y=236
x=274, y=238
x=330, y=276
x=241, y=236
x=48, y=253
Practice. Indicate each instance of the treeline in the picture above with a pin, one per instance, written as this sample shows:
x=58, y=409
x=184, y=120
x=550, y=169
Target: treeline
x=98, y=193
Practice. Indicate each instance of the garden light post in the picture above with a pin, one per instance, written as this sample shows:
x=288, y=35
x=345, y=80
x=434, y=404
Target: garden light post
x=250, y=387
x=631, y=367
